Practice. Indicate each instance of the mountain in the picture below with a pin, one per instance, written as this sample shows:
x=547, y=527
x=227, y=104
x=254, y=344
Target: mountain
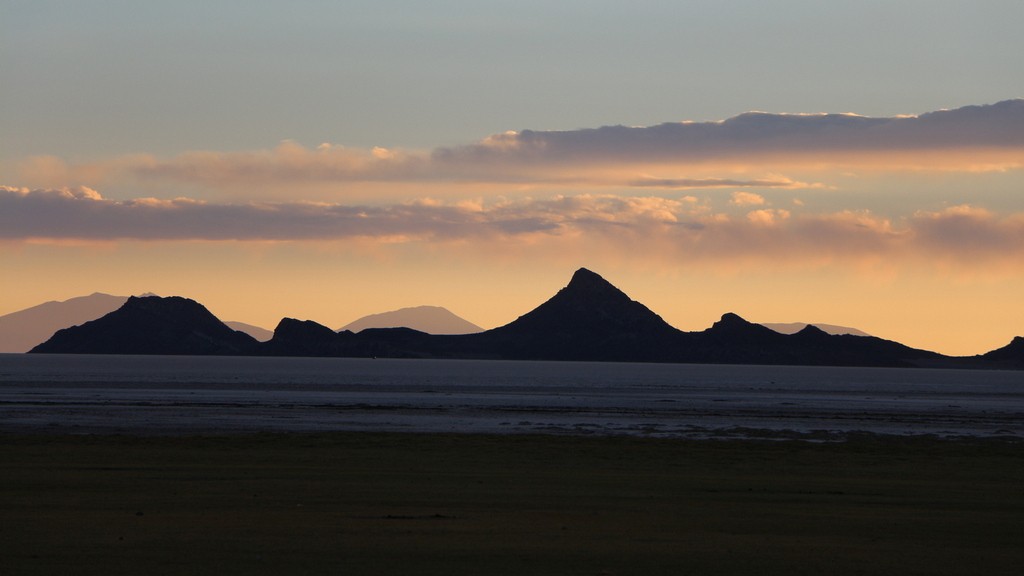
x=429, y=319
x=794, y=327
x=1009, y=356
x=20, y=331
x=305, y=338
x=152, y=325
x=588, y=319
x=24, y=329
x=261, y=334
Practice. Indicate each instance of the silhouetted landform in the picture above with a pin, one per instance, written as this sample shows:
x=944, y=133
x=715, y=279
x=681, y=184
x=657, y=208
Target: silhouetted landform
x=1009, y=356
x=152, y=325
x=794, y=327
x=22, y=330
x=589, y=319
x=429, y=319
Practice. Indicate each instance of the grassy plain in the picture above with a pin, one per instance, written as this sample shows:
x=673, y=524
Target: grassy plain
x=353, y=503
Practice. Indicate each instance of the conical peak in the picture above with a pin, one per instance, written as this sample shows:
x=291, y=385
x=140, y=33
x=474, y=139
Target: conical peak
x=812, y=330
x=590, y=283
x=586, y=277
x=590, y=304
x=589, y=289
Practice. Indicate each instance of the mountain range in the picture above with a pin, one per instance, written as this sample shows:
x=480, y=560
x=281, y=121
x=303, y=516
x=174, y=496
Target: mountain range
x=588, y=319
x=22, y=330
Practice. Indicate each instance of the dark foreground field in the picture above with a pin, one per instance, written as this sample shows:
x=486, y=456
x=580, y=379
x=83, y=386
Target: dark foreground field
x=352, y=503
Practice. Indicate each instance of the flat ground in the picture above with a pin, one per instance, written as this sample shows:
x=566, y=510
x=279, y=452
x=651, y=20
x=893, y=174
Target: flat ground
x=351, y=503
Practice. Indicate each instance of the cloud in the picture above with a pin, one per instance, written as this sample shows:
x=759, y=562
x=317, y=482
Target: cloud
x=679, y=183
x=966, y=231
x=683, y=229
x=767, y=217
x=758, y=133
x=748, y=151
x=747, y=199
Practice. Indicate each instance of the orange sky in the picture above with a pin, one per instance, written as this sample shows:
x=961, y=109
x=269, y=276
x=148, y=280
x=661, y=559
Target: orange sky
x=853, y=163
x=910, y=228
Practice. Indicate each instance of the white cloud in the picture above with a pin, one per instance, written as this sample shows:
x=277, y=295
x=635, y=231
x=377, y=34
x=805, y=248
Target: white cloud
x=767, y=217
x=747, y=199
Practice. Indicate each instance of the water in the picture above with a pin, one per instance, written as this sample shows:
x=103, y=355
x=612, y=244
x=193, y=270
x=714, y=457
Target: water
x=180, y=395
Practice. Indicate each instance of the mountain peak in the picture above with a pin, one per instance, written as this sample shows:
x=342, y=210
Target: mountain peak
x=584, y=276
x=732, y=325
x=730, y=319
x=590, y=304
x=1012, y=353
x=812, y=330
x=591, y=287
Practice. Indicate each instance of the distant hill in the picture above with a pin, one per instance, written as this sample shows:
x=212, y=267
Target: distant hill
x=261, y=334
x=20, y=331
x=152, y=325
x=429, y=319
x=587, y=320
x=794, y=327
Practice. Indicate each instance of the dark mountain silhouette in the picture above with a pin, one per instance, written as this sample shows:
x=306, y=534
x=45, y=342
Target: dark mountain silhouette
x=305, y=338
x=152, y=325
x=429, y=319
x=589, y=319
x=850, y=350
x=1009, y=356
x=588, y=303
x=22, y=330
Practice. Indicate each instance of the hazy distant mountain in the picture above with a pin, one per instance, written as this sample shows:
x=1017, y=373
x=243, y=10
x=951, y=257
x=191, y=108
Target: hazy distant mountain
x=261, y=334
x=429, y=319
x=20, y=331
x=152, y=325
x=794, y=327
x=589, y=319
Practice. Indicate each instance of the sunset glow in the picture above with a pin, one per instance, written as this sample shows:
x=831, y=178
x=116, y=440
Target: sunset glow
x=329, y=180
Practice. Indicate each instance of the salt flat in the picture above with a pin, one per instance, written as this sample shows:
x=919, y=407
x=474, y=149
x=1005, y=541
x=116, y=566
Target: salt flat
x=188, y=395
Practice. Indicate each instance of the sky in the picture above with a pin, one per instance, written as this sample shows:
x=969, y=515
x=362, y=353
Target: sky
x=852, y=163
